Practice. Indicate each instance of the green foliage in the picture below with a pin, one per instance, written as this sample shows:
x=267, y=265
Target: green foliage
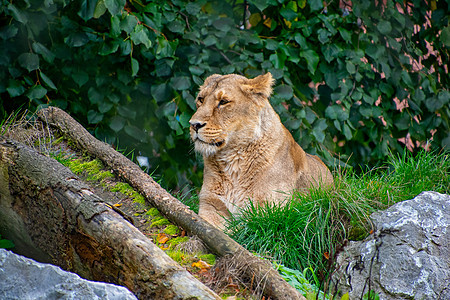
x=172, y=230
x=300, y=282
x=130, y=70
x=308, y=230
x=6, y=244
x=159, y=221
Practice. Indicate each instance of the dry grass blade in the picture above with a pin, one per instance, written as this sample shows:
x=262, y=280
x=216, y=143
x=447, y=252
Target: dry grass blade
x=28, y=130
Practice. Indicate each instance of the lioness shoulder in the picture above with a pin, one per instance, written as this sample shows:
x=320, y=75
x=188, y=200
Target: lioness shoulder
x=247, y=152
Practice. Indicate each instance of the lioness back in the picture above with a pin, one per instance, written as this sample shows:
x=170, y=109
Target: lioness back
x=247, y=152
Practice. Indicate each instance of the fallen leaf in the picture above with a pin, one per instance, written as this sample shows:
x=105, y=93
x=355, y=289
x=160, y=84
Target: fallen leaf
x=162, y=238
x=327, y=255
x=233, y=286
x=201, y=264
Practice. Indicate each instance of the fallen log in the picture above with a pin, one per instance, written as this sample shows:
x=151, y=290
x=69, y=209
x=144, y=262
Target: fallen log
x=217, y=241
x=54, y=217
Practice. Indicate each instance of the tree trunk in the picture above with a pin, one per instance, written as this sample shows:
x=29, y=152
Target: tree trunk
x=53, y=217
x=217, y=241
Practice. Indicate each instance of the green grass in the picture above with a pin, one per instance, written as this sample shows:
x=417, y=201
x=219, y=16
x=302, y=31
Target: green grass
x=307, y=232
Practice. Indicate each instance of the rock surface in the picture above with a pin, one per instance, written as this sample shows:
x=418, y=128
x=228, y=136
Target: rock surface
x=408, y=256
x=24, y=278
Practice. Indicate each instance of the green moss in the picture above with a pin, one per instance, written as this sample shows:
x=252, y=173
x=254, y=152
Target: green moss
x=160, y=222
x=138, y=198
x=153, y=212
x=123, y=187
x=178, y=256
x=172, y=230
x=102, y=175
x=209, y=258
x=91, y=167
x=177, y=240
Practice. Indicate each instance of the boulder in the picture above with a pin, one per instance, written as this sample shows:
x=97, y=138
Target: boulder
x=24, y=278
x=408, y=255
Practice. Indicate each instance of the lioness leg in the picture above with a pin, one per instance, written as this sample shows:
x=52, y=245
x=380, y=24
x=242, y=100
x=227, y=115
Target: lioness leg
x=214, y=213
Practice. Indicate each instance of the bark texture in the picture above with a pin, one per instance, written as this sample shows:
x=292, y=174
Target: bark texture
x=53, y=217
x=217, y=241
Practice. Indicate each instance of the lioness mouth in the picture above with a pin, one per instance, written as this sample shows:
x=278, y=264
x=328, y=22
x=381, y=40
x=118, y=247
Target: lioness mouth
x=217, y=144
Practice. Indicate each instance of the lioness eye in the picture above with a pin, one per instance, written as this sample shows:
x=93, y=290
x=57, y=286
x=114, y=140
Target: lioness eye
x=223, y=102
x=200, y=99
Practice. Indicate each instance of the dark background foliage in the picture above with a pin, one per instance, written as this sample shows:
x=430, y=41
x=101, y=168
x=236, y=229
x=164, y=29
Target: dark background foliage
x=354, y=80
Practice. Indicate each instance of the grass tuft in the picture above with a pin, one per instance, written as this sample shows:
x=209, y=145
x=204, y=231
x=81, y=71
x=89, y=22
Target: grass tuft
x=310, y=229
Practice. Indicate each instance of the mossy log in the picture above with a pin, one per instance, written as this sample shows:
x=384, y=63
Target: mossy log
x=54, y=217
x=217, y=241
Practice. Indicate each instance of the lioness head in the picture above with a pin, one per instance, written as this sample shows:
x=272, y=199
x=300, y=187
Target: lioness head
x=229, y=111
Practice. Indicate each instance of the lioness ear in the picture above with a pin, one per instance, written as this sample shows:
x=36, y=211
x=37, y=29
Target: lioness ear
x=260, y=85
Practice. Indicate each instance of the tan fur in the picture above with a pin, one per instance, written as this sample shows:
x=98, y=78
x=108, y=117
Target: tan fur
x=248, y=153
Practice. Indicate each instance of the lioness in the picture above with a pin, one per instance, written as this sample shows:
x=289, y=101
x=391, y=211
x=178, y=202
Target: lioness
x=248, y=154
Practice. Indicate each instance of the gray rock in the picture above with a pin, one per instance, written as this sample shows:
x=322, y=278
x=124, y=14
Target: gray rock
x=408, y=256
x=23, y=278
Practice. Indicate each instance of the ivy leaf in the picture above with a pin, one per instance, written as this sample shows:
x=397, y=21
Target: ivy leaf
x=116, y=123
x=271, y=45
x=95, y=96
x=139, y=36
x=161, y=92
x=15, y=88
x=312, y=59
x=128, y=23
x=260, y=4
x=176, y=26
x=76, y=39
x=8, y=32
x=184, y=120
x=284, y=91
x=180, y=83
x=445, y=36
x=134, y=67
x=100, y=9
x=115, y=26
x=80, y=77
x=318, y=130
x=193, y=8
x=47, y=81
x=289, y=12
x=87, y=9
x=94, y=117
x=347, y=132
x=104, y=106
x=346, y=35
x=36, y=92
x=403, y=122
x=115, y=6
x=42, y=50
x=437, y=102
x=126, y=112
x=17, y=14
x=384, y=27
x=315, y=4
x=351, y=69
x=29, y=61
x=301, y=41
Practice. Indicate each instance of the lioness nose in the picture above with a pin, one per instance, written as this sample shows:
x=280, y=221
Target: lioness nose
x=196, y=125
